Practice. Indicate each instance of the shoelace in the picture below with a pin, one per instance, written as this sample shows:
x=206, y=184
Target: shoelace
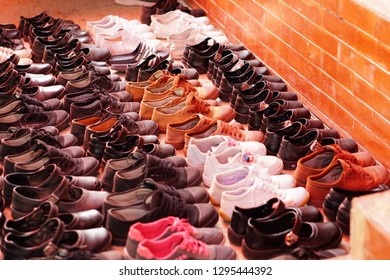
x=129, y=124
x=200, y=106
x=172, y=206
x=164, y=169
x=194, y=246
x=179, y=225
x=29, y=100
x=44, y=136
x=231, y=130
x=101, y=83
x=111, y=102
x=357, y=170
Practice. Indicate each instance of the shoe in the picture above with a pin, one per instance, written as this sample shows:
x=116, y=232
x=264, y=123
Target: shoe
x=256, y=193
x=160, y=170
x=41, y=178
x=236, y=178
x=273, y=208
x=133, y=161
x=198, y=149
x=158, y=150
x=306, y=254
x=320, y=159
x=186, y=107
x=137, y=195
x=267, y=239
x=222, y=128
x=181, y=246
x=159, y=205
x=175, y=131
x=235, y=157
x=344, y=174
x=165, y=227
x=292, y=149
x=82, y=220
x=33, y=245
x=32, y=221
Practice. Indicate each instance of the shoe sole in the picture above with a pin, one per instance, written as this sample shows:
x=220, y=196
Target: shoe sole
x=234, y=238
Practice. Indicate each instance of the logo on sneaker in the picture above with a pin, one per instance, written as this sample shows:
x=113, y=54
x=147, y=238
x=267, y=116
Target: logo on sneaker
x=231, y=142
x=248, y=157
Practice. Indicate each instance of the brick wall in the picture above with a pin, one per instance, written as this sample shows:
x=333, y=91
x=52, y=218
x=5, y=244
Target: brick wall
x=334, y=53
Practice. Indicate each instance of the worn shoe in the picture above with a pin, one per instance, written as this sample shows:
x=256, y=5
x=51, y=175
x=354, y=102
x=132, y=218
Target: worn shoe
x=236, y=178
x=344, y=174
x=181, y=246
x=234, y=157
x=269, y=238
x=256, y=193
x=317, y=161
x=159, y=205
x=165, y=227
x=273, y=208
x=198, y=149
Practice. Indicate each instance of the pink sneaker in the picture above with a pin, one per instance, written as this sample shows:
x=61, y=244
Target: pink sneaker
x=182, y=246
x=163, y=228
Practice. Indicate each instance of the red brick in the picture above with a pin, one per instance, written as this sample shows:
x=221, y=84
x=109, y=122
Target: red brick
x=326, y=84
x=217, y=13
x=383, y=30
x=331, y=5
x=380, y=126
x=382, y=81
x=292, y=18
x=379, y=101
x=367, y=45
x=296, y=79
x=341, y=117
x=272, y=6
x=372, y=143
x=345, y=76
x=356, y=62
x=340, y=28
x=308, y=8
x=364, y=18
x=299, y=43
x=330, y=64
x=383, y=56
x=321, y=38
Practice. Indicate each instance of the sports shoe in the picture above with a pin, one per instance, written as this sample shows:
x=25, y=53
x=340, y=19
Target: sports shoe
x=317, y=161
x=185, y=107
x=256, y=193
x=199, y=148
x=236, y=178
x=234, y=157
x=165, y=227
x=345, y=175
x=181, y=246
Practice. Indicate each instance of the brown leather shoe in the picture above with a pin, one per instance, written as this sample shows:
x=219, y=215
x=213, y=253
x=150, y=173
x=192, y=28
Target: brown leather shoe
x=187, y=106
x=161, y=170
x=266, y=239
x=344, y=174
x=175, y=133
x=320, y=159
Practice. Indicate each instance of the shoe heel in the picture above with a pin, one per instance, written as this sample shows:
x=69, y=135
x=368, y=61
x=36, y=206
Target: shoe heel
x=234, y=238
x=241, y=118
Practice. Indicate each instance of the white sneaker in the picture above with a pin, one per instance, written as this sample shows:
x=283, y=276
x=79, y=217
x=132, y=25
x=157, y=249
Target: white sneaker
x=174, y=22
x=235, y=157
x=142, y=29
x=112, y=27
x=239, y=177
x=258, y=193
x=91, y=24
x=198, y=148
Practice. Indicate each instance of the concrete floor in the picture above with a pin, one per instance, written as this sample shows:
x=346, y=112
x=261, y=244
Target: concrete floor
x=80, y=11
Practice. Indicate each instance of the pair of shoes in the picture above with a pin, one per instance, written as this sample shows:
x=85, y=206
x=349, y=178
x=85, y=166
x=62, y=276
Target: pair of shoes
x=337, y=205
x=156, y=205
x=239, y=177
x=331, y=166
x=174, y=238
x=272, y=230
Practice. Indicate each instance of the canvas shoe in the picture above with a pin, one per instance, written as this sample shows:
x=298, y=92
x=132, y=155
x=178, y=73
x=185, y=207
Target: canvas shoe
x=182, y=246
x=198, y=148
x=238, y=177
x=165, y=227
x=258, y=192
x=234, y=157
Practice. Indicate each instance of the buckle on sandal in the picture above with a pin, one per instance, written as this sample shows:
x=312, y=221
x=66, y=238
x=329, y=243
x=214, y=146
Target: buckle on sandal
x=290, y=238
x=315, y=146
